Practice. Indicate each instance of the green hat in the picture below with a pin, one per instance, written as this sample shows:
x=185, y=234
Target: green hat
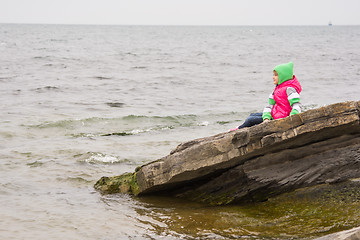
x=285, y=71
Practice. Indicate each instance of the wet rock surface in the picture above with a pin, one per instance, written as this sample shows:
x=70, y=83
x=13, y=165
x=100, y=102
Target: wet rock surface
x=352, y=234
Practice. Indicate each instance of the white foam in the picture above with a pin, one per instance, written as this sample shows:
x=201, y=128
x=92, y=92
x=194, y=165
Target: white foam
x=102, y=158
x=205, y=123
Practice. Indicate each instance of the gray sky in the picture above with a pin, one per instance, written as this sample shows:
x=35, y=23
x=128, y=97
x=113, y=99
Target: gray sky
x=182, y=12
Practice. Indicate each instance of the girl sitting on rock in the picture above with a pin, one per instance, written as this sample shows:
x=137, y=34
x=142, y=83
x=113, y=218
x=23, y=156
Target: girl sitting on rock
x=283, y=102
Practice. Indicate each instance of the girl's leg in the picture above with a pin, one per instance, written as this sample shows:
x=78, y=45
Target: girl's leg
x=253, y=119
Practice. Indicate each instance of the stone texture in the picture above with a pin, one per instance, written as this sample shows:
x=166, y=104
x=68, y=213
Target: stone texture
x=352, y=234
x=314, y=147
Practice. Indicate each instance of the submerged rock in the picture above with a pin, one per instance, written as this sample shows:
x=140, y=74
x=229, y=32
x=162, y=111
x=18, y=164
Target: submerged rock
x=252, y=164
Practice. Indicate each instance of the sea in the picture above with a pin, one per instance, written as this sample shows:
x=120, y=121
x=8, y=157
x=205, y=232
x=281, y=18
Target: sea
x=78, y=102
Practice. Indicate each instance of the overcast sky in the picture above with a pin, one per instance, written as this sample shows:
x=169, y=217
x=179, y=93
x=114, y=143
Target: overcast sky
x=182, y=12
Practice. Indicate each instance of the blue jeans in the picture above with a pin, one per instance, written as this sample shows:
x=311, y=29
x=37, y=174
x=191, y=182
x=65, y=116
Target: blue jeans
x=253, y=119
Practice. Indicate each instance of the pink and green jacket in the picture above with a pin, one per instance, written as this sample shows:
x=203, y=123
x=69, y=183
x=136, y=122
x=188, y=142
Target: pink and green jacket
x=285, y=99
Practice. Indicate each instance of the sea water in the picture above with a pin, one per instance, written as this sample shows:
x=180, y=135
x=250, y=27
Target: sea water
x=80, y=102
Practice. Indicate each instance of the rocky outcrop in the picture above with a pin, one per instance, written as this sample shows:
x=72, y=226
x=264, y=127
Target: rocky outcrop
x=352, y=234
x=252, y=164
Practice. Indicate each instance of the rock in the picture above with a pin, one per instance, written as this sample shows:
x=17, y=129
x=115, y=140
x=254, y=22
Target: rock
x=125, y=183
x=352, y=234
x=252, y=164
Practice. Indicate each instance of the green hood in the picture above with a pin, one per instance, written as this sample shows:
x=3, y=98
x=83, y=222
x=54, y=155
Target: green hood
x=285, y=71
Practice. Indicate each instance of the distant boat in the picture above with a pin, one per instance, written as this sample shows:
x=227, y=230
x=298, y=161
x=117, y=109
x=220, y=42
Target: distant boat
x=330, y=24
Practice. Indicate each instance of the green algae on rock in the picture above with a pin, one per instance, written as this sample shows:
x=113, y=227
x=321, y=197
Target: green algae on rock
x=125, y=183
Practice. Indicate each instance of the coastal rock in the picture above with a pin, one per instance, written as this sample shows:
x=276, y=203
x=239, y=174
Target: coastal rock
x=352, y=234
x=252, y=164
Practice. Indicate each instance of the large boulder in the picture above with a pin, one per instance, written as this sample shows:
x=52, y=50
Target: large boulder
x=251, y=164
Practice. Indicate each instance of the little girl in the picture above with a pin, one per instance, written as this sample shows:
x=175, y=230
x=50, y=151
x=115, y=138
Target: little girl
x=285, y=99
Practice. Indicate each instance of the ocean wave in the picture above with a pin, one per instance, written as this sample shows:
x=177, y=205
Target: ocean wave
x=139, y=67
x=35, y=164
x=67, y=124
x=6, y=135
x=131, y=125
x=7, y=78
x=58, y=40
x=115, y=104
x=138, y=131
x=46, y=89
x=76, y=180
x=117, y=134
x=102, y=78
x=135, y=124
x=99, y=158
x=47, y=57
x=309, y=106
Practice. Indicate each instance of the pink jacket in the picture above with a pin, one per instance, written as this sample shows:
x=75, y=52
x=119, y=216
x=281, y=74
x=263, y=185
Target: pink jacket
x=282, y=106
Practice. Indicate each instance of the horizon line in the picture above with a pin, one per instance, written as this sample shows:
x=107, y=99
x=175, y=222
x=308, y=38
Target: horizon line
x=183, y=25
